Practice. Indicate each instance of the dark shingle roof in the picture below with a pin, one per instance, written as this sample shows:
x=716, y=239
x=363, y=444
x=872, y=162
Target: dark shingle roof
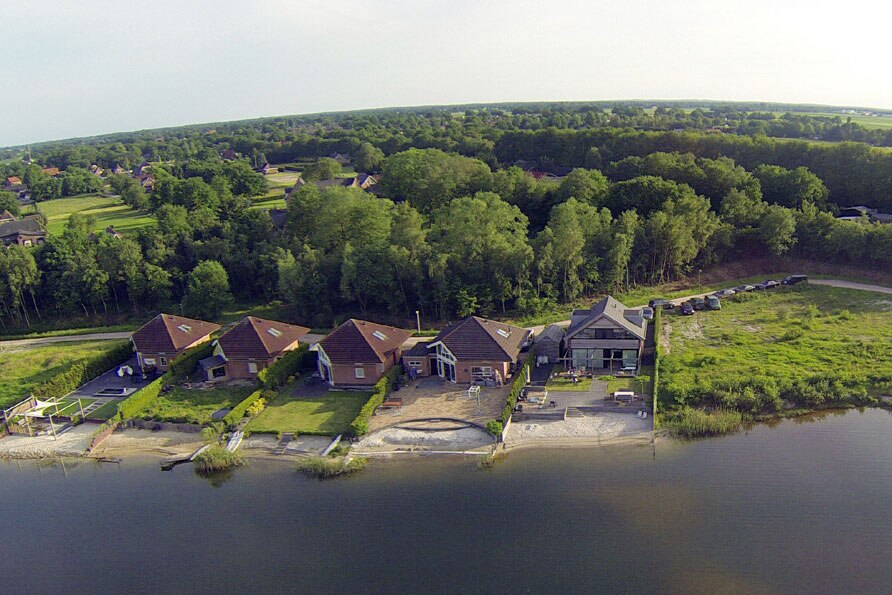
x=209, y=363
x=256, y=338
x=358, y=341
x=631, y=320
x=167, y=333
x=480, y=339
x=552, y=332
x=12, y=228
x=420, y=349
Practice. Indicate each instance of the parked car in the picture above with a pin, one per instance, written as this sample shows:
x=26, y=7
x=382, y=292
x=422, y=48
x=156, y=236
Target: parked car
x=661, y=303
x=713, y=303
x=743, y=288
x=687, y=309
x=723, y=293
x=771, y=284
x=794, y=279
x=697, y=303
x=647, y=313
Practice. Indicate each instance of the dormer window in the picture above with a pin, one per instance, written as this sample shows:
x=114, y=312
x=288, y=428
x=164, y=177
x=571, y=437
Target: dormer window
x=185, y=328
x=274, y=332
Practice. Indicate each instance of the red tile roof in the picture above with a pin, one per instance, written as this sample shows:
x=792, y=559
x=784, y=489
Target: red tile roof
x=358, y=341
x=474, y=339
x=14, y=181
x=167, y=333
x=256, y=338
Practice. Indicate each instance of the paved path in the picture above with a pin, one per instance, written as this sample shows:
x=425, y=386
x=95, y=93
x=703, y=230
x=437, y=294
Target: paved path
x=66, y=338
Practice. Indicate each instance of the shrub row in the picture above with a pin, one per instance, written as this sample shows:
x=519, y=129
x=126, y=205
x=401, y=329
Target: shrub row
x=62, y=384
x=293, y=363
x=141, y=399
x=183, y=366
x=520, y=381
x=360, y=425
x=238, y=412
x=655, y=389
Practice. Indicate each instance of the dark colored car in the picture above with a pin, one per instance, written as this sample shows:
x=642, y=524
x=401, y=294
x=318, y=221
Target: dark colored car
x=697, y=303
x=743, y=288
x=723, y=293
x=661, y=303
x=647, y=313
x=687, y=309
x=713, y=303
x=794, y=279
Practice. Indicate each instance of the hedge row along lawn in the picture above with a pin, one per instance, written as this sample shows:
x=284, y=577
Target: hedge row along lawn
x=763, y=353
x=327, y=415
x=23, y=368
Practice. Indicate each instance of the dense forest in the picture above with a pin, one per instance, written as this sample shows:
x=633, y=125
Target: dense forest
x=487, y=210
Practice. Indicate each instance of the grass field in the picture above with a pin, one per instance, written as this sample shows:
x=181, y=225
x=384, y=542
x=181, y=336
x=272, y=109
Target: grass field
x=107, y=210
x=269, y=202
x=641, y=385
x=23, y=368
x=105, y=412
x=195, y=406
x=766, y=352
x=70, y=406
x=327, y=415
x=567, y=384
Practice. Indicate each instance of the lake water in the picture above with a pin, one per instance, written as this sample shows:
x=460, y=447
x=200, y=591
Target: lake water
x=800, y=507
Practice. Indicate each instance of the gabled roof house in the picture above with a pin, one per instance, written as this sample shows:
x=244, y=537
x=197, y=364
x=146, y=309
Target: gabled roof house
x=359, y=353
x=475, y=350
x=250, y=346
x=165, y=337
x=609, y=336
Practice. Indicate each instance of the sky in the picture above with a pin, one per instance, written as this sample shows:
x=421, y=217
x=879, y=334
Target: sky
x=80, y=68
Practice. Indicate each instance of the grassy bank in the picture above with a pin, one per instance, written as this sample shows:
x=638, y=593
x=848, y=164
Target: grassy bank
x=182, y=405
x=216, y=459
x=328, y=467
x=766, y=353
x=23, y=368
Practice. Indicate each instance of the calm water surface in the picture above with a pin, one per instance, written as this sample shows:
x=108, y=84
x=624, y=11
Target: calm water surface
x=800, y=507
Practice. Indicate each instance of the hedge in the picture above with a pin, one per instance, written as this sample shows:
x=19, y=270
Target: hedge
x=293, y=363
x=655, y=390
x=141, y=399
x=80, y=373
x=183, y=366
x=239, y=410
x=360, y=425
x=520, y=381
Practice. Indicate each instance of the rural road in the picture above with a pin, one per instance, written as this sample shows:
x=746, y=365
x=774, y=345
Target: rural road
x=312, y=338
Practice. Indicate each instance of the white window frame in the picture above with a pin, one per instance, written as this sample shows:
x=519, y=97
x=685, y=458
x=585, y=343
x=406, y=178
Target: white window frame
x=163, y=361
x=359, y=372
x=414, y=363
x=149, y=361
x=252, y=367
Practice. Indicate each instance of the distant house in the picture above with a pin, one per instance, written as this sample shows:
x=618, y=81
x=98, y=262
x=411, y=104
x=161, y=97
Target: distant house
x=96, y=170
x=359, y=353
x=298, y=184
x=24, y=232
x=147, y=181
x=477, y=350
x=142, y=168
x=250, y=346
x=267, y=169
x=279, y=218
x=343, y=159
x=608, y=337
x=366, y=181
x=549, y=343
x=229, y=155
x=117, y=169
x=859, y=212
x=110, y=230
x=6, y=217
x=12, y=181
x=338, y=182
x=51, y=171
x=166, y=337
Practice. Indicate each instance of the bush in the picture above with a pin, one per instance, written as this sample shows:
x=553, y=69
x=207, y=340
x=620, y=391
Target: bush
x=695, y=423
x=325, y=468
x=291, y=364
x=257, y=406
x=140, y=400
x=238, y=412
x=62, y=384
x=494, y=427
x=217, y=458
x=183, y=366
x=360, y=425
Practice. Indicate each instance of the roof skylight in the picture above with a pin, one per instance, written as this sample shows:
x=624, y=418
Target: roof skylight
x=185, y=328
x=274, y=332
x=503, y=333
x=379, y=335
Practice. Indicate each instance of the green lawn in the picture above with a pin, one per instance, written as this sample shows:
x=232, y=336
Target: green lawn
x=195, y=406
x=275, y=201
x=105, y=412
x=327, y=415
x=70, y=406
x=792, y=347
x=107, y=210
x=567, y=384
x=23, y=368
x=641, y=385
